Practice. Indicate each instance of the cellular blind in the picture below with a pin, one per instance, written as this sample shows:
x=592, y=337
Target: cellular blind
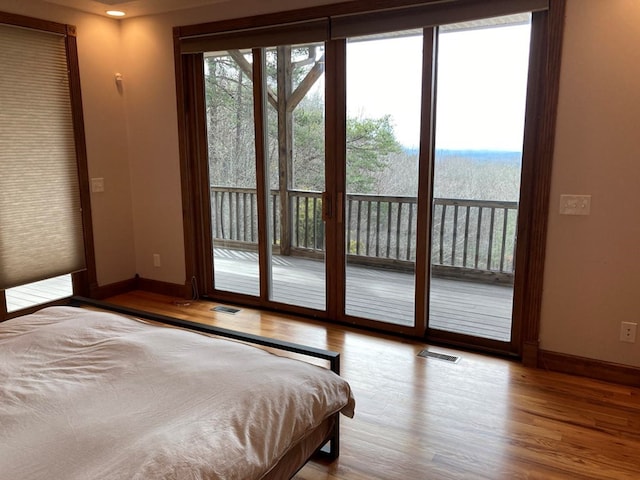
x=294, y=33
x=41, y=234
x=428, y=14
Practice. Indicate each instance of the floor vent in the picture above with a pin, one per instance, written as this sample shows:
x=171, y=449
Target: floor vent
x=223, y=309
x=439, y=356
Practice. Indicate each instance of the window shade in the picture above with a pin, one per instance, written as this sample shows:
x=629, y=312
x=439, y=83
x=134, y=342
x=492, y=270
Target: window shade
x=41, y=233
x=294, y=33
x=384, y=17
x=428, y=15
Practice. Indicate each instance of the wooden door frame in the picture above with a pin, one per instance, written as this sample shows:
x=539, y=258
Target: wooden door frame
x=335, y=168
x=425, y=188
x=539, y=133
x=540, y=128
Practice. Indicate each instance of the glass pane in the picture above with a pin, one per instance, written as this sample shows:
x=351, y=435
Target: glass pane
x=482, y=81
x=232, y=167
x=383, y=133
x=296, y=164
x=37, y=293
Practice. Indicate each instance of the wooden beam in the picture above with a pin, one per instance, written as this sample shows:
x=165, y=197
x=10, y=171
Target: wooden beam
x=305, y=85
x=247, y=69
x=285, y=145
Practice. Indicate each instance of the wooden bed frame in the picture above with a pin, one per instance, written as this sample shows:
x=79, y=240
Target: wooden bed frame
x=323, y=442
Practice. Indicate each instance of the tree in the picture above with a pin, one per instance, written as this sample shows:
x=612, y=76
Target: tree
x=229, y=100
x=369, y=142
x=230, y=126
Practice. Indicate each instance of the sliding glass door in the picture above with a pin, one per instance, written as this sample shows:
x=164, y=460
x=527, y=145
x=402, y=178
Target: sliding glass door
x=232, y=185
x=383, y=99
x=296, y=166
x=481, y=78
x=366, y=168
x=482, y=71
x=292, y=162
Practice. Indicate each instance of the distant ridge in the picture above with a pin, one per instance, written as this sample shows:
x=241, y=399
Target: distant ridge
x=481, y=155
x=475, y=155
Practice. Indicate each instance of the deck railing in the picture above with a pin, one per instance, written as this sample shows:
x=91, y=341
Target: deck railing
x=469, y=237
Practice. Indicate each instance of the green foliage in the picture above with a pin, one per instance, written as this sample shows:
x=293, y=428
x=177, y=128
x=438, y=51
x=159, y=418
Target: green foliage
x=229, y=109
x=369, y=142
x=354, y=247
x=310, y=227
x=308, y=146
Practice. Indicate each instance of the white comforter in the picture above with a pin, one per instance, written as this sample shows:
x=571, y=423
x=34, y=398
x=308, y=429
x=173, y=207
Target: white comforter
x=92, y=395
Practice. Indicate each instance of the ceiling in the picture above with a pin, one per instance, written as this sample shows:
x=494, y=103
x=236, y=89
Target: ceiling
x=133, y=8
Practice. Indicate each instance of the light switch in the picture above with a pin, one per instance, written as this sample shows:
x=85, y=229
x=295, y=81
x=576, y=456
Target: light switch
x=97, y=185
x=575, y=204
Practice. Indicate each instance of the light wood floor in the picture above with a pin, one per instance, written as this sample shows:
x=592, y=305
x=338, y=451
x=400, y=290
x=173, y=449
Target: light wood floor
x=480, y=418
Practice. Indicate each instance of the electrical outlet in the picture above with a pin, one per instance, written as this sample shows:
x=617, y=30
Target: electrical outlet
x=628, y=332
x=156, y=260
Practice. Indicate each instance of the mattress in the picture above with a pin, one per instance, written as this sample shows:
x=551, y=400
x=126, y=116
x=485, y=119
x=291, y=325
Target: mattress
x=95, y=395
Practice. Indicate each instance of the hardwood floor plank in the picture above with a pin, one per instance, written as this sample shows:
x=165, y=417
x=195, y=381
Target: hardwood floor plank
x=426, y=419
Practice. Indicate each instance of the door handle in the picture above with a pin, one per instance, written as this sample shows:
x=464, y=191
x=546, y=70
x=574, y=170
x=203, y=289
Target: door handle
x=326, y=206
x=328, y=210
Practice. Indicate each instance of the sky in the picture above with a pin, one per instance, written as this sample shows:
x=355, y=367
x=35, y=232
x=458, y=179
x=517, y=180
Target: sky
x=482, y=78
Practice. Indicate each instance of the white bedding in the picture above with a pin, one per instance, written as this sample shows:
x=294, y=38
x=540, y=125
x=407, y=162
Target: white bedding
x=92, y=395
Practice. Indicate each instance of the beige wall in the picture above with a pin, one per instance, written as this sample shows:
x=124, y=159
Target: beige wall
x=153, y=148
x=592, y=273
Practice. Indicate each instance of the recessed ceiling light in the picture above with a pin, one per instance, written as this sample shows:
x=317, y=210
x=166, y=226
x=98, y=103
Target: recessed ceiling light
x=116, y=13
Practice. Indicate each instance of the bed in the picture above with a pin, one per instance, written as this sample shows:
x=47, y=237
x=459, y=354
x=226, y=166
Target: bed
x=95, y=394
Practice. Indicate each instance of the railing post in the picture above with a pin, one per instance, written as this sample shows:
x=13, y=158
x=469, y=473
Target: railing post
x=366, y=222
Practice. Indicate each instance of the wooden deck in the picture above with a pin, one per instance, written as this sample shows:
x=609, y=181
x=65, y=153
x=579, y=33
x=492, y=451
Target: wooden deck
x=37, y=293
x=478, y=309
